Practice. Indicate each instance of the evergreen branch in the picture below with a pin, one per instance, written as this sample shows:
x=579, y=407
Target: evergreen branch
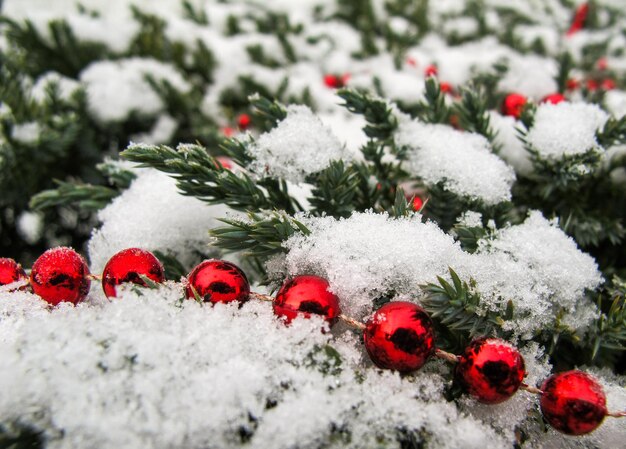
x=566, y=63
x=116, y=175
x=174, y=270
x=468, y=236
x=259, y=236
x=335, y=189
x=199, y=175
x=455, y=308
x=613, y=133
x=237, y=151
x=269, y=110
x=401, y=207
x=195, y=15
x=381, y=122
x=473, y=113
x=86, y=196
x=433, y=109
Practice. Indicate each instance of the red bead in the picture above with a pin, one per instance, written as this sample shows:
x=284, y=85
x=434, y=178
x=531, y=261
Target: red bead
x=243, y=121
x=573, y=402
x=400, y=336
x=431, y=70
x=218, y=281
x=513, y=105
x=10, y=271
x=491, y=370
x=304, y=296
x=572, y=84
x=553, y=98
x=60, y=274
x=127, y=266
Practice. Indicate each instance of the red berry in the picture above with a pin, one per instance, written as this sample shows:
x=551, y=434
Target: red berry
x=553, y=98
x=332, y=81
x=431, y=70
x=573, y=402
x=446, y=88
x=228, y=131
x=127, y=266
x=580, y=17
x=60, y=274
x=243, y=121
x=10, y=271
x=225, y=162
x=513, y=105
x=602, y=64
x=418, y=203
x=572, y=84
x=306, y=295
x=592, y=85
x=411, y=61
x=218, y=281
x=608, y=84
x=491, y=370
x=400, y=336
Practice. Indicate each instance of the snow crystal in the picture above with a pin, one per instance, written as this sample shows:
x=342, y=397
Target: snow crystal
x=471, y=218
x=565, y=129
x=298, y=146
x=368, y=256
x=66, y=86
x=615, y=101
x=512, y=148
x=462, y=161
x=152, y=215
x=30, y=226
x=161, y=132
x=165, y=372
x=26, y=132
x=539, y=268
x=117, y=88
x=529, y=75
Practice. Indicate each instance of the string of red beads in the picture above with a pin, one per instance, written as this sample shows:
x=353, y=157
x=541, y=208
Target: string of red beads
x=399, y=336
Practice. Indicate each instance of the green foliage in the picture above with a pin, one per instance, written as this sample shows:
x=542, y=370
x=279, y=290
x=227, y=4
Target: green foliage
x=20, y=436
x=86, y=196
x=335, y=190
x=473, y=113
x=613, y=133
x=433, y=108
x=259, y=235
x=199, y=175
x=380, y=120
x=455, y=310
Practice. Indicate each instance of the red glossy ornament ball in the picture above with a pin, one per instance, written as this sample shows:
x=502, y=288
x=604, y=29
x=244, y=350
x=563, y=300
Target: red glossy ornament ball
x=10, y=271
x=553, y=98
x=491, y=370
x=400, y=336
x=218, y=281
x=304, y=296
x=129, y=265
x=60, y=274
x=513, y=105
x=573, y=402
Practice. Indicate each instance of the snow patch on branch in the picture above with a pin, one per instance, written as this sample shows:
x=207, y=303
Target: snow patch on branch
x=461, y=161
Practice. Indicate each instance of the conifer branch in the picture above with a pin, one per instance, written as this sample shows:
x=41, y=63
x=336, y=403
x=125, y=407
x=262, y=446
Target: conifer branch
x=473, y=113
x=199, y=175
x=335, y=190
x=260, y=236
x=380, y=119
x=434, y=108
x=455, y=309
x=86, y=196
x=613, y=133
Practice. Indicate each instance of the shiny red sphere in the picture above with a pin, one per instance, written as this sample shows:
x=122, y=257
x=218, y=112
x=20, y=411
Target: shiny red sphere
x=400, y=336
x=60, y=274
x=491, y=370
x=513, y=105
x=218, y=281
x=243, y=121
x=304, y=296
x=10, y=271
x=129, y=265
x=553, y=98
x=573, y=402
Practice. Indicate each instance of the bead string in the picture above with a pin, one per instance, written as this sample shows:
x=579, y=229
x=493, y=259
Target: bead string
x=439, y=353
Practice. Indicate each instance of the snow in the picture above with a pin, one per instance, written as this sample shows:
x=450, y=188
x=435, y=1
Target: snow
x=440, y=154
x=368, y=256
x=298, y=146
x=165, y=372
x=615, y=101
x=529, y=75
x=30, y=226
x=565, y=129
x=115, y=89
x=512, y=149
x=27, y=133
x=152, y=215
x=66, y=86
